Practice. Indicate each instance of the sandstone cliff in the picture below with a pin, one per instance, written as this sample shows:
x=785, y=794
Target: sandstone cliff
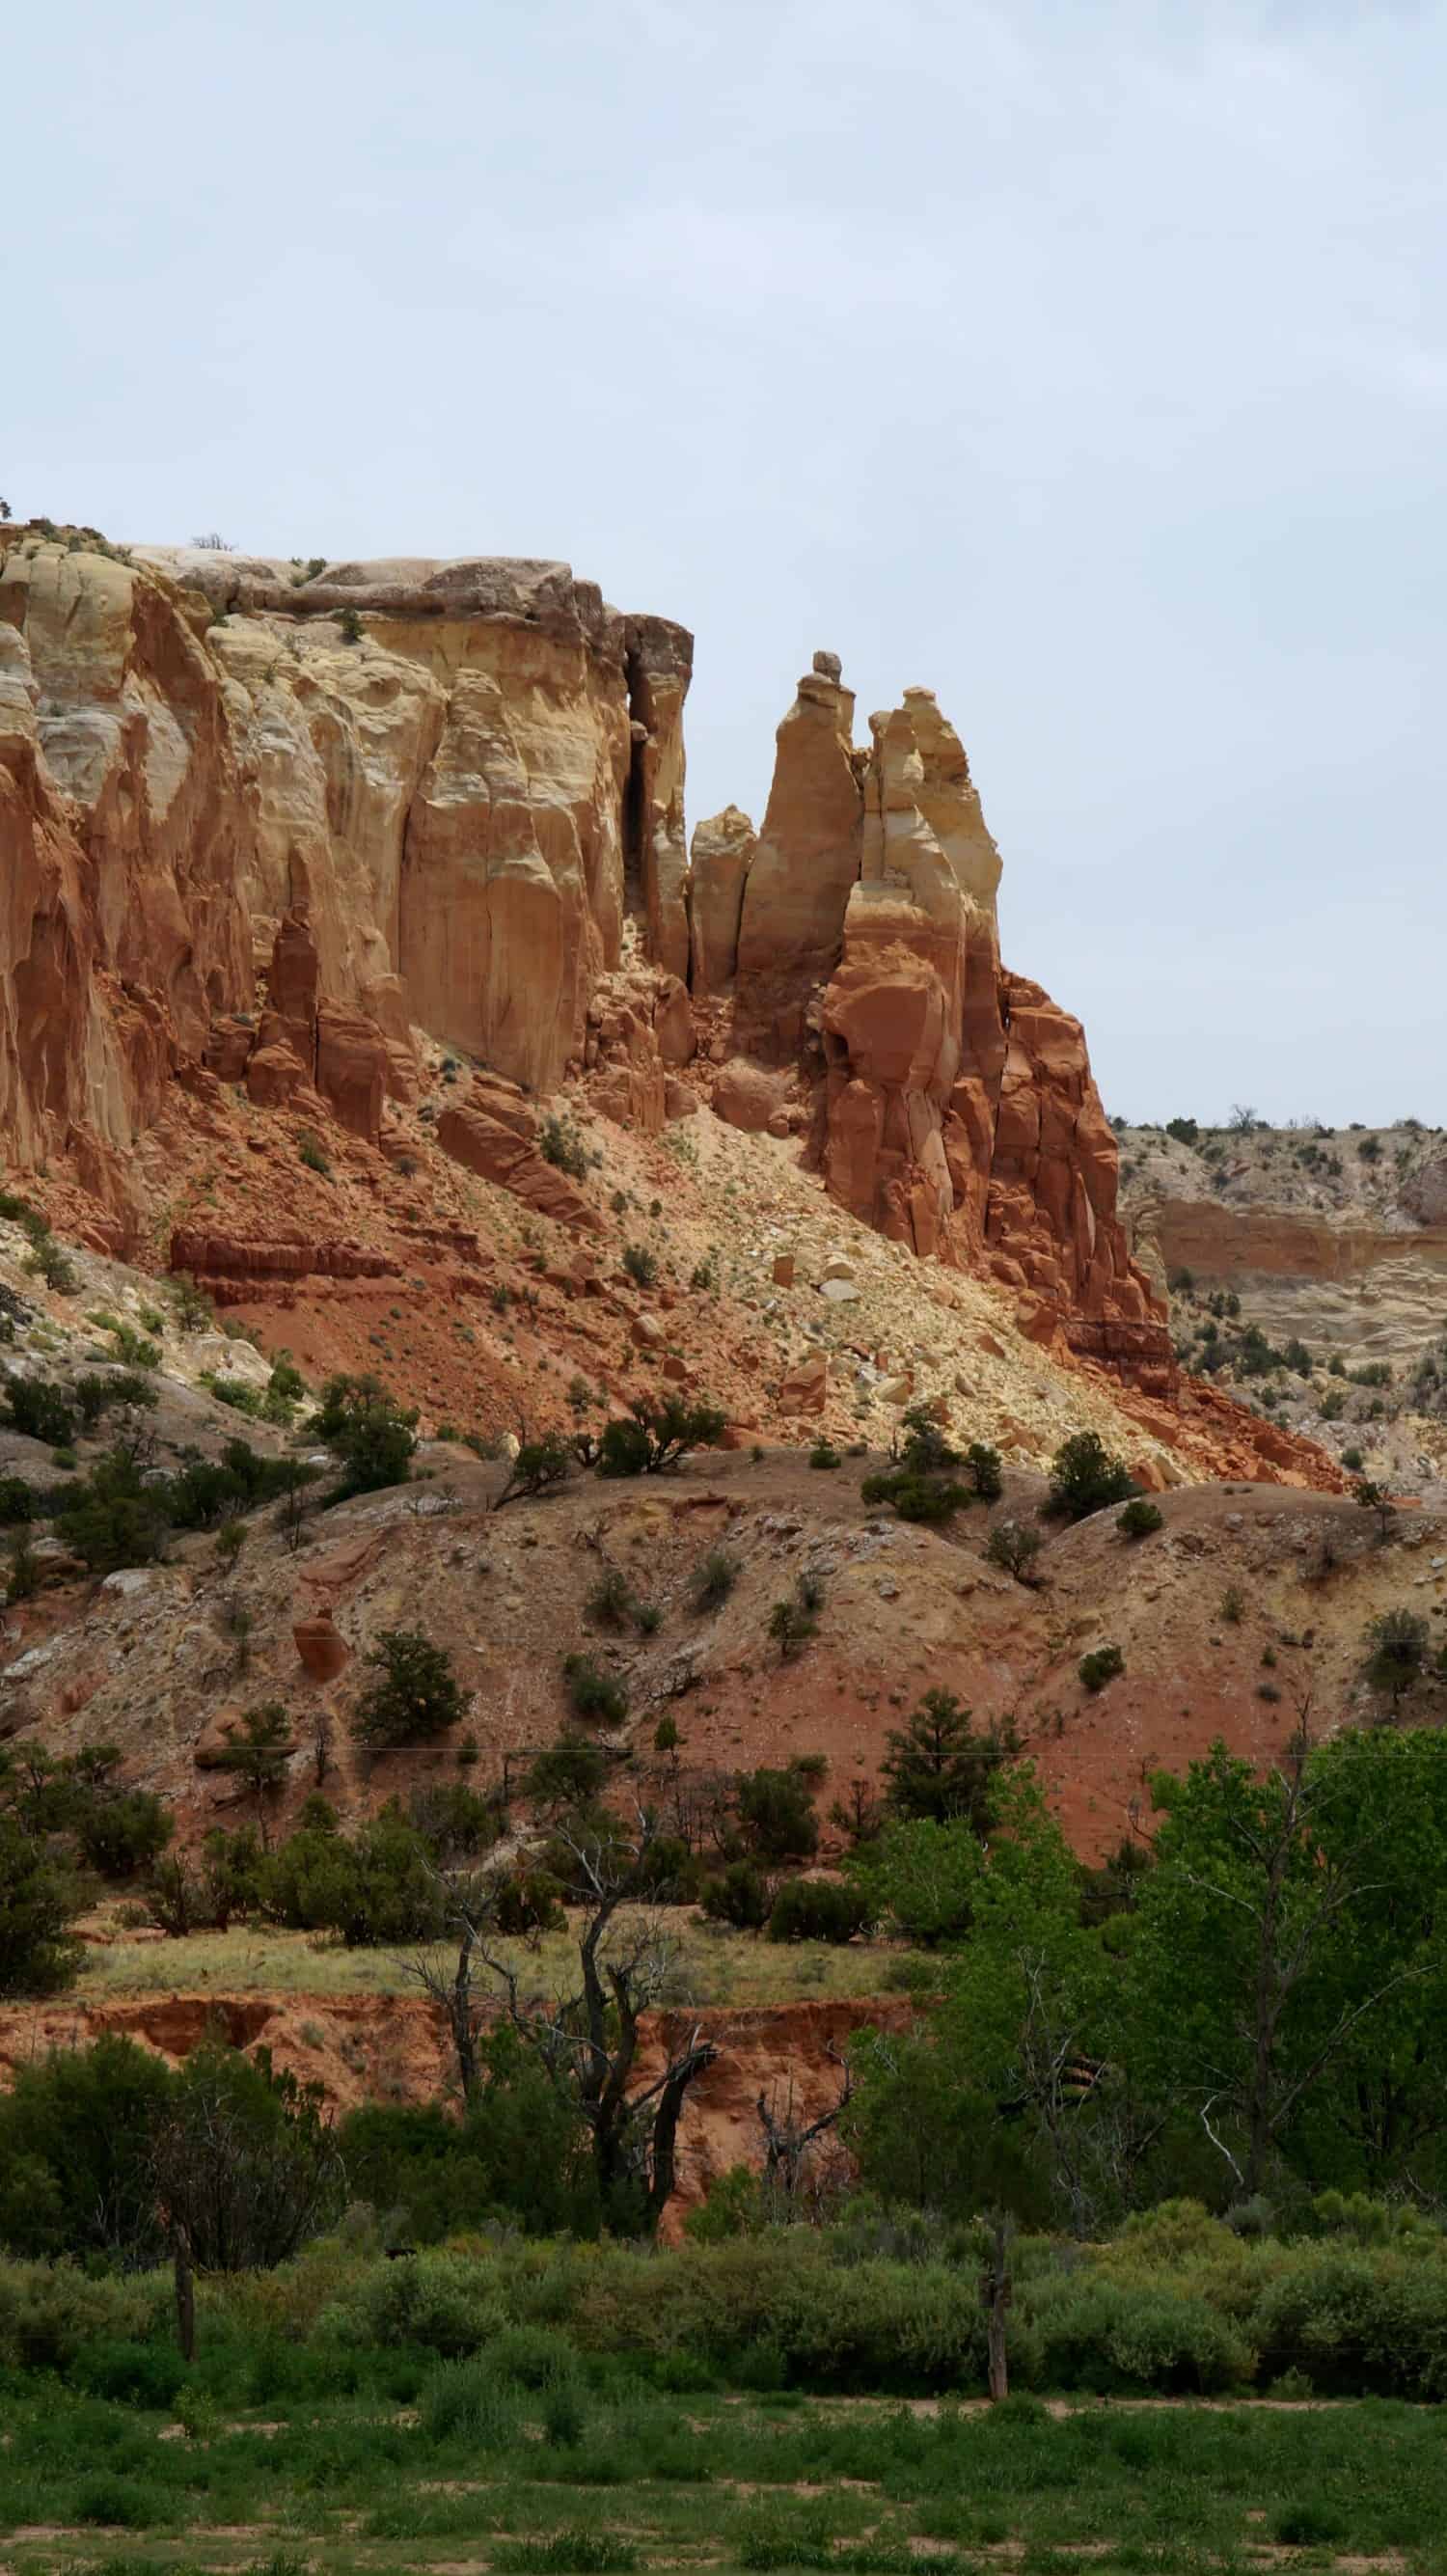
x=271, y=825
x=949, y=1103
x=396, y=795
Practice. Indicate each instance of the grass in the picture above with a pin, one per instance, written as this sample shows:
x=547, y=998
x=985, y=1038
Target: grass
x=644, y=2479
x=715, y=1965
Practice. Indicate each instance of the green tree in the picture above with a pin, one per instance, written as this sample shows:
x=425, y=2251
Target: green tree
x=937, y=1766
x=1398, y=1644
x=657, y=1433
x=920, y=1877
x=570, y=1772
x=1085, y=1477
x=75, y=2137
x=587, y=2036
x=1376, y=2120
x=416, y=1695
x=540, y=1466
x=368, y=1431
x=776, y=1813
x=257, y=1751
x=1002, y=2100
x=1249, y=1996
x=38, y=1901
x=243, y=2162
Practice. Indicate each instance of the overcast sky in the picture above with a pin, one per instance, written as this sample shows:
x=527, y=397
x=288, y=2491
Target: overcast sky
x=1084, y=361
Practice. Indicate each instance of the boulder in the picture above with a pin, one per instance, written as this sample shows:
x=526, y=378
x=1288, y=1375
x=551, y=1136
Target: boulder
x=746, y=1095
x=482, y=1132
x=322, y=1648
x=805, y=1387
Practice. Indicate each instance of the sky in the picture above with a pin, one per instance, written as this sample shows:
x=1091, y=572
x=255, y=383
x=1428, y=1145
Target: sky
x=1084, y=360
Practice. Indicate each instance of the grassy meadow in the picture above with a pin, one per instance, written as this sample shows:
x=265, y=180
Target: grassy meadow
x=468, y=2465
x=714, y=1964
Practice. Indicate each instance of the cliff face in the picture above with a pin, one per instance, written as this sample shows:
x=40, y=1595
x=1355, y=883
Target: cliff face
x=269, y=827
x=403, y=795
x=948, y=1102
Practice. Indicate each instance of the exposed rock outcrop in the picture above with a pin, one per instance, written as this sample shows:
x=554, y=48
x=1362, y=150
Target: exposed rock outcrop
x=953, y=1103
x=803, y=870
x=259, y=828
x=494, y=1133
x=422, y=786
x=723, y=853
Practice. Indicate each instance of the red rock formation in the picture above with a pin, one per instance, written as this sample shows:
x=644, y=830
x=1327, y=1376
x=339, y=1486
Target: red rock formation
x=493, y=1133
x=433, y=822
x=233, y=1273
x=323, y=1649
x=953, y=1103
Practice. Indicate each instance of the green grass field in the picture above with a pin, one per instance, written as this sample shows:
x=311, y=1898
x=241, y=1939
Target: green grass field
x=472, y=2472
x=714, y=1965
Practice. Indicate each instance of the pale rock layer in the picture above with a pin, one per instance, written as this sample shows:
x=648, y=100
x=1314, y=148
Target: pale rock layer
x=398, y=795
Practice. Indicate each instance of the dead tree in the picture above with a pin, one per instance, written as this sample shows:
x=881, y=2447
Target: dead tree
x=789, y=2140
x=997, y=2292
x=587, y=2038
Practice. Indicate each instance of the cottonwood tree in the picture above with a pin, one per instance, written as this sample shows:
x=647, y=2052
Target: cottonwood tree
x=1248, y=1988
x=1000, y=2098
x=587, y=2035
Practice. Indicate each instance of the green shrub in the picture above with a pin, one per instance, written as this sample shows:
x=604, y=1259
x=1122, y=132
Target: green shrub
x=610, y=1603
x=463, y=2402
x=738, y=1895
x=368, y=1431
x=818, y=1909
x=448, y=2303
x=1085, y=1477
x=416, y=1696
x=640, y=1264
x=823, y=1455
x=1101, y=1666
x=1014, y=1545
x=577, y=2551
x=1357, y=2322
x=48, y=1262
x=1140, y=1519
x=791, y=1624
x=1107, y=2336
x=984, y=1471
x=656, y=1434
x=39, y=1411
x=52, y=2312
x=560, y=1144
x=924, y=1499
x=593, y=1692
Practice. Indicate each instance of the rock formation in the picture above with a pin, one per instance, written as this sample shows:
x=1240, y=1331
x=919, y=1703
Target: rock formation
x=400, y=794
x=951, y=1104
x=267, y=830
